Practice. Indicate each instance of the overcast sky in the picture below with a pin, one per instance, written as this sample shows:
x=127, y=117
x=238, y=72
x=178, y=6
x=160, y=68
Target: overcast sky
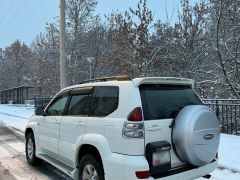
x=24, y=19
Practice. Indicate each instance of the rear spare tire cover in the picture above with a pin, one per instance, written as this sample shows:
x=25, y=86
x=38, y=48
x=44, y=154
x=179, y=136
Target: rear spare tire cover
x=196, y=135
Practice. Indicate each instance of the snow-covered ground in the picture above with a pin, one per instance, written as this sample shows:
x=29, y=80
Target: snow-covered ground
x=229, y=150
x=15, y=115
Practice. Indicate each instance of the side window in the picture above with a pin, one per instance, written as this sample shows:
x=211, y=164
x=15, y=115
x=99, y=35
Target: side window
x=77, y=105
x=57, y=108
x=104, y=100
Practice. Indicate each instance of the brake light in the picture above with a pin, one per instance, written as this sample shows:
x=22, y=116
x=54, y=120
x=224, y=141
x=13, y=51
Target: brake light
x=142, y=174
x=134, y=127
x=135, y=115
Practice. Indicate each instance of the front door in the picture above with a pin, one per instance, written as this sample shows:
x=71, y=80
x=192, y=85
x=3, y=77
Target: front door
x=50, y=125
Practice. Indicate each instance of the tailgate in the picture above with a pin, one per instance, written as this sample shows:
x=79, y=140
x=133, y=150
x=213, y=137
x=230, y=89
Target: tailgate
x=161, y=104
x=160, y=130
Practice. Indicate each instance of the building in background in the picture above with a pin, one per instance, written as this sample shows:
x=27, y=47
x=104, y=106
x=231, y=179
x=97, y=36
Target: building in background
x=19, y=95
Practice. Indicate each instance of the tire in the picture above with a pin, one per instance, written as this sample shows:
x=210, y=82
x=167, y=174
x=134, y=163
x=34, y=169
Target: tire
x=89, y=167
x=196, y=135
x=30, y=149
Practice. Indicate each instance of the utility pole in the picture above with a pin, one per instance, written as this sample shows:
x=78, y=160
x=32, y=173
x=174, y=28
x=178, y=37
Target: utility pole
x=63, y=83
x=90, y=60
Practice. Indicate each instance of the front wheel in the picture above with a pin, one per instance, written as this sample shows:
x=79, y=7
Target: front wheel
x=30, y=149
x=90, y=169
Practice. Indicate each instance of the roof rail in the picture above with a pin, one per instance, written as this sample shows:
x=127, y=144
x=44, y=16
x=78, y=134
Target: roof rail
x=104, y=79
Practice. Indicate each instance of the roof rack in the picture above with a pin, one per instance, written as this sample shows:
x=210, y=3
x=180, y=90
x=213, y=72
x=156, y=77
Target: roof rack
x=104, y=79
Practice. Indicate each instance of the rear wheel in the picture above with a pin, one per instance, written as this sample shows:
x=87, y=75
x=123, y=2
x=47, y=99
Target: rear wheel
x=30, y=149
x=90, y=169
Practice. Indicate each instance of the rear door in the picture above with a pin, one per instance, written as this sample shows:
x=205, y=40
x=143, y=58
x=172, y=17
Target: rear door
x=73, y=123
x=161, y=104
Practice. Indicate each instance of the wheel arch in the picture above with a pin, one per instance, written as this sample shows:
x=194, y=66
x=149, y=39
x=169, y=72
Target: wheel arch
x=28, y=130
x=89, y=149
x=94, y=144
x=32, y=128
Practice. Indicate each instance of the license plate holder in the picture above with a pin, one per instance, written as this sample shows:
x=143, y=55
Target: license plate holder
x=160, y=158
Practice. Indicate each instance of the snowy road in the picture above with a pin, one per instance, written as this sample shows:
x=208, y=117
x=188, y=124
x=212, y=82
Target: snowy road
x=13, y=165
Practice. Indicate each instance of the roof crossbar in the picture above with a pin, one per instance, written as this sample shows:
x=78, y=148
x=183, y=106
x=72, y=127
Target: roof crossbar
x=104, y=79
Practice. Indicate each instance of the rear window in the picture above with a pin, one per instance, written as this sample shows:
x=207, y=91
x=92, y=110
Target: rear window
x=165, y=101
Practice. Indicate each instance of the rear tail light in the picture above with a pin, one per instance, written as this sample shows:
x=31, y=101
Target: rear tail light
x=134, y=127
x=135, y=115
x=142, y=174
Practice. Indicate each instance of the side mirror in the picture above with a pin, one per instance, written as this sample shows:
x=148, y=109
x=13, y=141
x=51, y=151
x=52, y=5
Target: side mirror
x=39, y=111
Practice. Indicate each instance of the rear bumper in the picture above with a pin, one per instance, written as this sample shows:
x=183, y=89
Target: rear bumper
x=193, y=173
x=119, y=167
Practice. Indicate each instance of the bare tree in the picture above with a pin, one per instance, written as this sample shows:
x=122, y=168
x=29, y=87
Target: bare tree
x=226, y=19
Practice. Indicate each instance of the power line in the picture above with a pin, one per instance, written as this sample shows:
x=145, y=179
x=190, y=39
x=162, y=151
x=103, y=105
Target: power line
x=7, y=10
x=22, y=20
x=0, y=6
x=19, y=9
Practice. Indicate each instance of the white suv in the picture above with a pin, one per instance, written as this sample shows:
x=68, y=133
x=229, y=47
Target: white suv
x=145, y=128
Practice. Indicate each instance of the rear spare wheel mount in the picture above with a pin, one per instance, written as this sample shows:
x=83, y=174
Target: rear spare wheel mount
x=196, y=135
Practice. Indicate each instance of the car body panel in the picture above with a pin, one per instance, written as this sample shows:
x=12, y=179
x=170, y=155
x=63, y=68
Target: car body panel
x=48, y=129
x=71, y=129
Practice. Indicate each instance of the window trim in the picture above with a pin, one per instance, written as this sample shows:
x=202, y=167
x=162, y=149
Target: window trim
x=82, y=90
x=75, y=91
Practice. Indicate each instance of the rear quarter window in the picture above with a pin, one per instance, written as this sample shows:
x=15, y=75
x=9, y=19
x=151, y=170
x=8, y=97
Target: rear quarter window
x=104, y=100
x=165, y=101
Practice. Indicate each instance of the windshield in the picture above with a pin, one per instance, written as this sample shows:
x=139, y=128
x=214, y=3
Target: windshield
x=165, y=101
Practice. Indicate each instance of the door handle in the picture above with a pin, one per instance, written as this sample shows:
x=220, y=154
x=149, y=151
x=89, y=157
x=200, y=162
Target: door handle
x=80, y=123
x=154, y=127
x=56, y=122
